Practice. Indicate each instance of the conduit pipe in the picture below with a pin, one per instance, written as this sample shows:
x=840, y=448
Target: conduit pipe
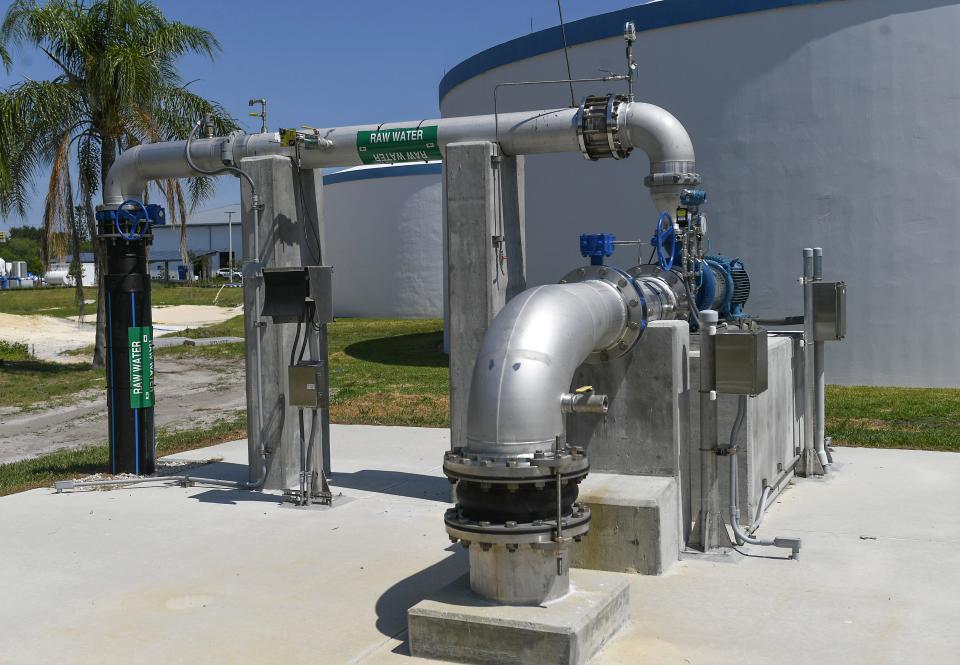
x=637, y=125
x=527, y=360
x=793, y=544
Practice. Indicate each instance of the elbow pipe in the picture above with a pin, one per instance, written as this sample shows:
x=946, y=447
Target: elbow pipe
x=527, y=361
x=644, y=126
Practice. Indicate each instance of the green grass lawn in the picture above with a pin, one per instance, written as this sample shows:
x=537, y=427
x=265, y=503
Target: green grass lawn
x=393, y=372
x=32, y=384
x=67, y=464
x=59, y=301
x=383, y=372
x=919, y=418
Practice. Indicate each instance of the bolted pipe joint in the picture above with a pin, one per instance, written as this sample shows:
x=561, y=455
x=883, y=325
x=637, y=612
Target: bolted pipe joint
x=586, y=402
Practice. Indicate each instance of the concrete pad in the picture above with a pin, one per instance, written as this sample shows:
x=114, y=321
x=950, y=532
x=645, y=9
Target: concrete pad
x=456, y=625
x=635, y=526
x=201, y=575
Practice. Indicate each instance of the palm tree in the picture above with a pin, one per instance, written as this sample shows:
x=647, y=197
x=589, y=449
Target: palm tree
x=116, y=86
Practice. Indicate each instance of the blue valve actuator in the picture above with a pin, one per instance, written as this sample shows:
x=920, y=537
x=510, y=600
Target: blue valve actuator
x=154, y=213
x=693, y=197
x=597, y=246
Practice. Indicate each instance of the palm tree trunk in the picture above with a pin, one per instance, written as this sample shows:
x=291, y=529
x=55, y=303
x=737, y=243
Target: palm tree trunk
x=108, y=154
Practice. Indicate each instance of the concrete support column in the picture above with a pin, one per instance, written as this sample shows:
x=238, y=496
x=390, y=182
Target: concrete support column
x=484, y=228
x=288, y=234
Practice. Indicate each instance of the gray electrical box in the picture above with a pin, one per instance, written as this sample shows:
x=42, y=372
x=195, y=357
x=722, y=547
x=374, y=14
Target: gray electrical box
x=829, y=311
x=306, y=384
x=741, y=362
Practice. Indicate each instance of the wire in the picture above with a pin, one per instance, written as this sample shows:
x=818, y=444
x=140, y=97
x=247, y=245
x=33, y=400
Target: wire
x=318, y=256
x=306, y=337
x=566, y=54
x=296, y=339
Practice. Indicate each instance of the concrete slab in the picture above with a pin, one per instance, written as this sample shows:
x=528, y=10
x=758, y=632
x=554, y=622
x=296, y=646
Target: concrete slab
x=454, y=624
x=197, y=575
x=635, y=522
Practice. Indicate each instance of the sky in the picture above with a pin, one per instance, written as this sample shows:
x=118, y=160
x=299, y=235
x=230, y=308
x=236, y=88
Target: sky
x=328, y=63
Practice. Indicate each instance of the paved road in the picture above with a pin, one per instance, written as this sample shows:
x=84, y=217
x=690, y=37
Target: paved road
x=188, y=392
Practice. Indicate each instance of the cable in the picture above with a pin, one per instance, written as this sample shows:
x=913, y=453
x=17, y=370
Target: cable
x=296, y=339
x=566, y=54
x=318, y=256
x=694, y=312
x=306, y=337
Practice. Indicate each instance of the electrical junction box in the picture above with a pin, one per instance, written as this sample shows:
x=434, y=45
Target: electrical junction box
x=306, y=388
x=741, y=362
x=287, y=291
x=829, y=311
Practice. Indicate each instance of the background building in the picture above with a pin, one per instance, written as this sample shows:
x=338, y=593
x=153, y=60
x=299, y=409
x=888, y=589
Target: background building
x=208, y=242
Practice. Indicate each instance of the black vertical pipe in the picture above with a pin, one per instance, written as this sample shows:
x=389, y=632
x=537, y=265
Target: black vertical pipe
x=129, y=394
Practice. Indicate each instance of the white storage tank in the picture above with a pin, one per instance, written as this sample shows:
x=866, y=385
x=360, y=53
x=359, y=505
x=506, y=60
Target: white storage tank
x=383, y=237
x=816, y=123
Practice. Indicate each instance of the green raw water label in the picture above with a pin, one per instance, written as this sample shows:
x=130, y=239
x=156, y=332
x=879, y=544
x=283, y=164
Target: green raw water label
x=140, y=348
x=402, y=144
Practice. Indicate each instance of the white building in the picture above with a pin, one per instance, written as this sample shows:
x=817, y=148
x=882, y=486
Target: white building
x=58, y=271
x=208, y=241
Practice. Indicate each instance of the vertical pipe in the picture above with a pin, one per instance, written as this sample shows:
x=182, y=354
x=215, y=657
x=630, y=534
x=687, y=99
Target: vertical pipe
x=819, y=388
x=711, y=532
x=324, y=355
x=127, y=291
x=809, y=462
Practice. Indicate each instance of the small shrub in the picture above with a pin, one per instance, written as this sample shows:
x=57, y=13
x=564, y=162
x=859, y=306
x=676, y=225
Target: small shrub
x=14, y=351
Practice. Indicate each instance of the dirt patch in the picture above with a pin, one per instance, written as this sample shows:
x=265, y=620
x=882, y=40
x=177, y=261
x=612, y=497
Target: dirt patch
x=185, y=399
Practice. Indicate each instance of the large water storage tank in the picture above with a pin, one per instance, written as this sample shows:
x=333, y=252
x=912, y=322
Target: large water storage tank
x=384, y=240
x=815, y=122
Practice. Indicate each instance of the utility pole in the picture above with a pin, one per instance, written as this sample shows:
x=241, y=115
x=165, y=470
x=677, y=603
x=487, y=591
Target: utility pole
x=230, y=214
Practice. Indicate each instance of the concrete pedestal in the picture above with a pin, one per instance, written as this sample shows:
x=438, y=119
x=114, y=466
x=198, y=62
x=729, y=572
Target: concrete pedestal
x=634, y=527
x=284, y=241
x=455, y=625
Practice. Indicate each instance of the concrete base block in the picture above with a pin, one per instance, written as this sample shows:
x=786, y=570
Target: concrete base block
x=455, y=625
x=635, y=526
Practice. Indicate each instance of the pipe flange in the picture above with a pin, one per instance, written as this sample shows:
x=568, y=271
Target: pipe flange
x=461, y=465
x=575, y=524
x=598, y=127
x=673, y=284
x=636, y=306
x=660, y=179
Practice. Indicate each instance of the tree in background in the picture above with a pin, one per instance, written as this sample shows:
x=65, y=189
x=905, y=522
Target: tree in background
x=117, y=86
x=23, y=244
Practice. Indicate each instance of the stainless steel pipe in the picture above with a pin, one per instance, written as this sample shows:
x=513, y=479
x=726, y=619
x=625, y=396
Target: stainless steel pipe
x=644, y=126
x=527, y=360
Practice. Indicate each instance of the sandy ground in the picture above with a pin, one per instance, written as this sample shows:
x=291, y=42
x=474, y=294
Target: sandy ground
x=185, y=398
x=49, y=336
